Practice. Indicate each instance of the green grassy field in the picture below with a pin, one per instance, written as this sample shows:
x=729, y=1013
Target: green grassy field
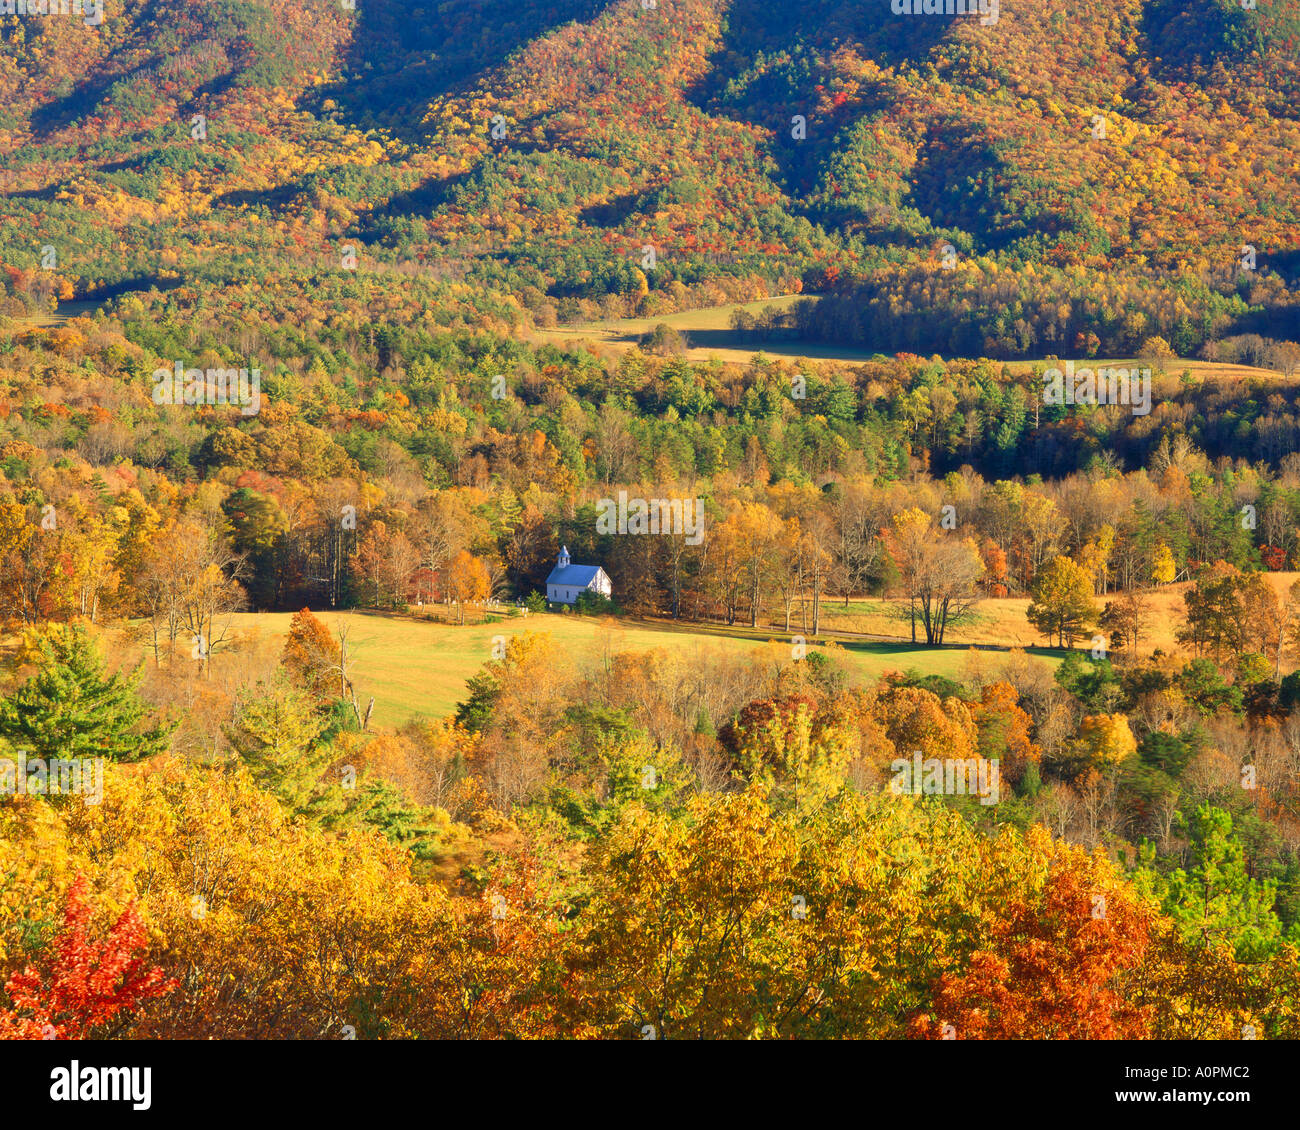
x=416, y=667
x=709, y=334
x=76, y=309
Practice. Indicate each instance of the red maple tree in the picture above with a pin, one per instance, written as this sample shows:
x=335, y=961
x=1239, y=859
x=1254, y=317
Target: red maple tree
x=87, y=982
x=1053, y=969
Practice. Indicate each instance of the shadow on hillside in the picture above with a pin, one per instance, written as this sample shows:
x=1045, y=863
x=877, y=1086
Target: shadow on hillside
x=958, y=182
x=1277, y=320
x=783, y=31
x=899, y=647
x=395, y=65
x=101, y=294
x=1185, y=39
x=613, y=213
x=83, y=100
x=389, y=224
x=272, y=199
x=778, y=343
x=1285, y=263
x=86, y=96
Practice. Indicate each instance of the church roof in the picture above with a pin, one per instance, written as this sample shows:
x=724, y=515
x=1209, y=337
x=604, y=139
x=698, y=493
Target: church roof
x=573, y=575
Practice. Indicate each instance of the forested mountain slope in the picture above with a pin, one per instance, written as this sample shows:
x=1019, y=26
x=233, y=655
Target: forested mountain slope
x=278, y=307
x=758, y=147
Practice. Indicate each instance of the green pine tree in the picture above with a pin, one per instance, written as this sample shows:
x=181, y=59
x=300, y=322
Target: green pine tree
x=380, y=805
x=72, y=708
x=1215, y=899
x=277, y=735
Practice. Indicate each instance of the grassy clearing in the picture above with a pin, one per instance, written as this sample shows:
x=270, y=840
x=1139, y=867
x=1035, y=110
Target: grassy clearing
x=709, y=334
x=412, y=666
x=994, y=623
x=1171, y=367
x=1003, y=623
x=76, y=309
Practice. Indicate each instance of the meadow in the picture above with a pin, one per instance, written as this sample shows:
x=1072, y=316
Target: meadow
x=413, y=666
x=709, y=336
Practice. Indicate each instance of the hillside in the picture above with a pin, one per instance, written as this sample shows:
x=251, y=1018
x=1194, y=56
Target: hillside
x=512, y=169
x=418, y=668
x=650, y=519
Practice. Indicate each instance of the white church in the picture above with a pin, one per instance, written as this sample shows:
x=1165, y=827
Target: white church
x=568, y=581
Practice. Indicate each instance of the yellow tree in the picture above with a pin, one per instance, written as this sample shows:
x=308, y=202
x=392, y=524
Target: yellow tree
x=1163, y=569
x=275, y=929
x=789, y=745
x=1106, y=739
x=467, y=580
x=908, y=541
x=1062, y=604
x=1095, y=558
x=32, y=579
x=759, y=536
x=91, y=549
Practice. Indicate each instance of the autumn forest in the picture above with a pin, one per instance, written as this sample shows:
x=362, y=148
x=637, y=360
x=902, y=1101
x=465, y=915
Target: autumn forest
x=964, y=701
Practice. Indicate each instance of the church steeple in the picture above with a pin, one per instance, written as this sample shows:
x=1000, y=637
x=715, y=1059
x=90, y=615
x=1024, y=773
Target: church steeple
x=564, y=557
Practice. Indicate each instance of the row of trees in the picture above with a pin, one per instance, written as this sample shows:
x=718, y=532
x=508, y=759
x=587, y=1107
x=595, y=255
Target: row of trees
x=762, y=554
